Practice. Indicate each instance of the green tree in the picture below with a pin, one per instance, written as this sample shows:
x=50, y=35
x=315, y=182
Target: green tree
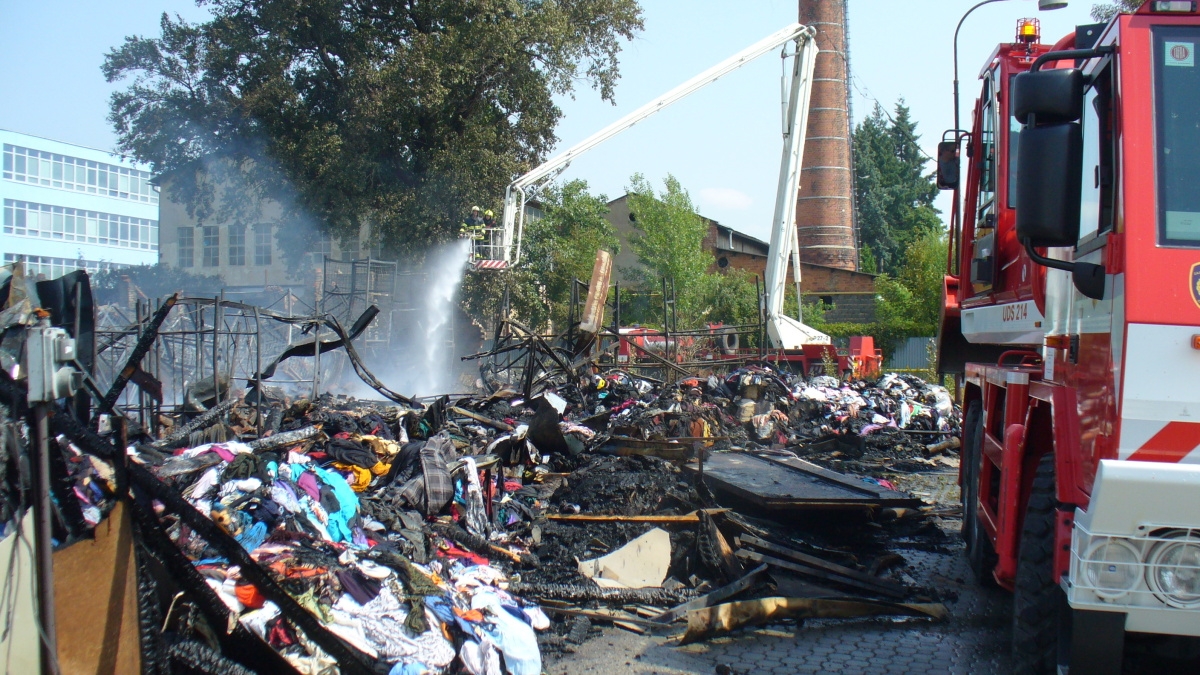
x=561, y=246
x=731, y=297
x=394, y=112
x=923, y=274
x=866, y=260
x=669, y=243
x=893, y=193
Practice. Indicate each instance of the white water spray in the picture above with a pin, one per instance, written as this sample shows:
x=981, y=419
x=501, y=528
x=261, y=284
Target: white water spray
x=444, y=269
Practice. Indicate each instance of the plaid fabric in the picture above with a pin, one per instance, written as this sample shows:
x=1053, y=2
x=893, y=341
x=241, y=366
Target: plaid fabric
x=412, y=494
x=439, y=487
x=432, y=488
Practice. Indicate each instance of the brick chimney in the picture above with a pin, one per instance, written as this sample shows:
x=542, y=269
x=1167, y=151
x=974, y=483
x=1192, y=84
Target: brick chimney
x=825, y=210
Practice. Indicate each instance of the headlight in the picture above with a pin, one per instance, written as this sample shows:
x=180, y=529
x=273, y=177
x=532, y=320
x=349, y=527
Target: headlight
x=1173, y=571
x=1112, y=567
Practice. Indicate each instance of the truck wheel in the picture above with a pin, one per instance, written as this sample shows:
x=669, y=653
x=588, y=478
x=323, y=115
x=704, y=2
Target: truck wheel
x=980, y=555
x=1038, y=602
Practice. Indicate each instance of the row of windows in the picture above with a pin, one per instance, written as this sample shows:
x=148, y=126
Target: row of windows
x=210, y=246
x=71, y=173
x=27, y=219
x=43, y=267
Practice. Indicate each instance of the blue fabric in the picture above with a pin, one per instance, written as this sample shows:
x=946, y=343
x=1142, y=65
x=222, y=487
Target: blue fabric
x=252, y=537
x=413, y=668
x=441, y=608
x=339, y=521
x=512, y=636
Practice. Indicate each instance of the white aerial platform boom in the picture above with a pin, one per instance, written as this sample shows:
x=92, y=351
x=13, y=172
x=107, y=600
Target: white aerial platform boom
x=501, y=246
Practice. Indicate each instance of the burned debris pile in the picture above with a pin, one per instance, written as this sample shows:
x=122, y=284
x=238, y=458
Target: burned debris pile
x=277, y=531
x=463, y=526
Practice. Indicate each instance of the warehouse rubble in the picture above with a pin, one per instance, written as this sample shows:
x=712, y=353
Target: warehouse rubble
x=598, y=502
x=293, y=532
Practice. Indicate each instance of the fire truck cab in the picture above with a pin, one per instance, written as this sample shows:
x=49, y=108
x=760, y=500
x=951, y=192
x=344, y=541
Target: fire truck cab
x=1072, y=315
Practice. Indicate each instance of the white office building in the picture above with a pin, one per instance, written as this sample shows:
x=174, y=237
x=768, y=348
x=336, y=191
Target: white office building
x=68, y=207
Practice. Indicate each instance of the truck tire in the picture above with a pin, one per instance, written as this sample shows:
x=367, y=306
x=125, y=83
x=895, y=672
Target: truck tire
x=981, y=557
x=730, y=343
x=1039, y=604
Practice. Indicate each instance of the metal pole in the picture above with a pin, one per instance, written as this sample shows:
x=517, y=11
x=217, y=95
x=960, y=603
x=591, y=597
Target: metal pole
x=199, y=324
x=43, y=514
x=316, y=359
x=141, y=312
x=258, y=371
x=957, y=128
x=216, y=346
x=617, y=313
x=955, y=211
x=156, y=406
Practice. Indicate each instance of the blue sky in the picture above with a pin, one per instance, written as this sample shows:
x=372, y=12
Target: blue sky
x=723, y=143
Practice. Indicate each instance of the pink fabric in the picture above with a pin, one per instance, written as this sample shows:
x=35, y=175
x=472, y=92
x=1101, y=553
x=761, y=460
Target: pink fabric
x=308, y=483
x=223, y=452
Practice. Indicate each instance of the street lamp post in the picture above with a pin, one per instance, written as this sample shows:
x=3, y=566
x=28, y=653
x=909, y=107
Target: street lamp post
x=1043, y=6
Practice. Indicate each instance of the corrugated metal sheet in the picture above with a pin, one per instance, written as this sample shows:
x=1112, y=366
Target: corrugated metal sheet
x=911, y=354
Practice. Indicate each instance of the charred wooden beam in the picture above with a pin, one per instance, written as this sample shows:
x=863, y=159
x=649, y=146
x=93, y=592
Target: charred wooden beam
x=207, y=419
x=149, y=335
x=620, y=596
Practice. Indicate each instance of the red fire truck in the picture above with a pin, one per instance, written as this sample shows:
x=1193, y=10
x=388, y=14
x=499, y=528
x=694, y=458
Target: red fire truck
x=1072, y=314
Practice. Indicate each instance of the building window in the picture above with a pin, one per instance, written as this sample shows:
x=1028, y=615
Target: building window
x=27, y=219
x=262, y=245
x=237, y=245
x=187, y=246
x=212, y=246
x=52, y=268
x=71, y=173
x=324, y=245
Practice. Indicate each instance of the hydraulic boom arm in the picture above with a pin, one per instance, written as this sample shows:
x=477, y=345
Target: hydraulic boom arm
x=515, y=196
x=784, y=331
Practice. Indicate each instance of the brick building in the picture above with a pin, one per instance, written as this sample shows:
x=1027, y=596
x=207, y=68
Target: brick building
x=850, y=293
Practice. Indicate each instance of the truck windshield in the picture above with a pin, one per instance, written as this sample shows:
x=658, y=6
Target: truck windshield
x=1177, y=99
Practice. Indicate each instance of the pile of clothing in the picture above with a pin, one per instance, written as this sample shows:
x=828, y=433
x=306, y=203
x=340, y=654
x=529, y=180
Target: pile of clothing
x=346, y=522
x=759, y=406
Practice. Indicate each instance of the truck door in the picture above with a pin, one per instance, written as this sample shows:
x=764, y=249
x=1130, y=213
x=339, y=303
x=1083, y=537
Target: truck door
x=1095, y=347
x=983, y=258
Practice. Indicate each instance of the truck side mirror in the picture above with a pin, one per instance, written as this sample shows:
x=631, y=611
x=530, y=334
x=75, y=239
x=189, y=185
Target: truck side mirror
x=1049, y=184
x=1049, y=188
x=1050, y=96
x=947, y=165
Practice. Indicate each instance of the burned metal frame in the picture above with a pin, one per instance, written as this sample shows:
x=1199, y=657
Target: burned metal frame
x=208, y=345
x=517, y=359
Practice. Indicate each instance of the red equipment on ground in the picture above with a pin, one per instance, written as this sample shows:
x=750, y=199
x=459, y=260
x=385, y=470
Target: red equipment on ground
x=860, y=361
x=1072, y=314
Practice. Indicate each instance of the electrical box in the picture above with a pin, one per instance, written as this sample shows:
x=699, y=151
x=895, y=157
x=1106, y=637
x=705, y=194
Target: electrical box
x=49, y=358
